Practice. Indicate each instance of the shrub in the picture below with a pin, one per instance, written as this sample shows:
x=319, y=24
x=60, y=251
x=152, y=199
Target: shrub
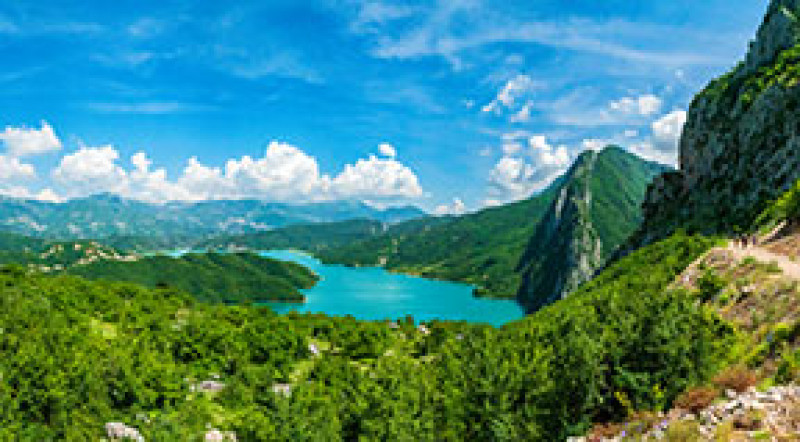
x=697, y=399
x=684, y=431
x=710, y=285
x=738, y=379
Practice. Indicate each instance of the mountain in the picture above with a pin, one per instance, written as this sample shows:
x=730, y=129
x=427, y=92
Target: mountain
x=312, y=238
x=597, y=208
x=106, y=215
x=488, y=248
x=741, y=144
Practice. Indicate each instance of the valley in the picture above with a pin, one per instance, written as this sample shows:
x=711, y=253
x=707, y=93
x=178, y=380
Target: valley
x=613, y=298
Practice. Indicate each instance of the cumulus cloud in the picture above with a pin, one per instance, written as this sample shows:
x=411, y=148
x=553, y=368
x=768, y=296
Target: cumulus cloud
x=284, y=173
x=667, y=130
x=530, y=163
x=47, y=195
x=22, y=141
x=13, y=169
x=456, y=207
x=662, y=146
x=90, y=170
x=645, y=105
x=376, y=178
x=387, y=150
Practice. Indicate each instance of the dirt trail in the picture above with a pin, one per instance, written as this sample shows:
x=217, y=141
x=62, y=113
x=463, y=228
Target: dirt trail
x=790, y=268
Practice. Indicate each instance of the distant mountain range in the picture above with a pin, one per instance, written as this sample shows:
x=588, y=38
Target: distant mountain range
x=128, y=221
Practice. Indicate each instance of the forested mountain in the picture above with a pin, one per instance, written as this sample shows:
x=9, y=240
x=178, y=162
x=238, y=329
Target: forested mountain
x=106, y=215
x=597, y=208
x=488, y=248
x=211, y=277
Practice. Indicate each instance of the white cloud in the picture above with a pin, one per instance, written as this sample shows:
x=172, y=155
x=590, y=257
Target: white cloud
x=285, y=173
x=525, y=169
x=645, y=105
x=376, y=178
x=662, y=146
x=47, y=195
x=594, y=144
x=12, y=169
x=387, y=150
x=21, y=141
x=90, y=170
x=508, y=95
x=630, y=133
x=667, y=130
x=148, y=108
x=524, y=114
x=456, y=207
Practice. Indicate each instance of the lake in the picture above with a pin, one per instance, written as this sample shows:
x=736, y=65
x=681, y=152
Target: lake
x=375, y=294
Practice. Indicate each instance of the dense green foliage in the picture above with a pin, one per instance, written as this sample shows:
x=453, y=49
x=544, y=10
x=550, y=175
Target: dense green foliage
x=78, y=354
x=481, y=249
x=485, y=248
x=786, y=207
x=311, y=238
x=210, y=277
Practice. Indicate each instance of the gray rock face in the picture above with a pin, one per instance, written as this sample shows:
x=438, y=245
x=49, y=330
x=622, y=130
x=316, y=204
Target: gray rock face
x=565, y=250
x=741, y=143
x=775, y=34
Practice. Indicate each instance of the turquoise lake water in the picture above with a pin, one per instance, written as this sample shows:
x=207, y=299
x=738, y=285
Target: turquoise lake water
x=374, y=294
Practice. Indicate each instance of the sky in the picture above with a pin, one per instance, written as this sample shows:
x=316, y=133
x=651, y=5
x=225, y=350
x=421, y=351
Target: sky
x=450, y=105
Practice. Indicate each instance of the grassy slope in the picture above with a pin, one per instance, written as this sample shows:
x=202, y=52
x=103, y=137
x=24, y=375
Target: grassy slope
x=211, y=277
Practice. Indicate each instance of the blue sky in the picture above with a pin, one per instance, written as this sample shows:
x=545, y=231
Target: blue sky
x=451, y=105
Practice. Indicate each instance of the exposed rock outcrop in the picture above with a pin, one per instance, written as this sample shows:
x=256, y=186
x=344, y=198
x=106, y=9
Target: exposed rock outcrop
x=741, y=143
x=565, y=250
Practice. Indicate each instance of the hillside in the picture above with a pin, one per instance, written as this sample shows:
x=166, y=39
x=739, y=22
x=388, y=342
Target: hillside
x=597, y=208
x=81, y=355
x=739, y=147
x=228, y=278
x=104, y=215
x=46, y=256
x=486, y=248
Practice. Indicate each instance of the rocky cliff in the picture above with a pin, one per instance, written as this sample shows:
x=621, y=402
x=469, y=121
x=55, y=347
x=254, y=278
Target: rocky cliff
x=741, y=143
x=595, y=210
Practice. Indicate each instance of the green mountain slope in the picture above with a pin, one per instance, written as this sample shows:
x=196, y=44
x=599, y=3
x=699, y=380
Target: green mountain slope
x=597, y=208
x=210, y=277
x=480, y=249
x=485, y=248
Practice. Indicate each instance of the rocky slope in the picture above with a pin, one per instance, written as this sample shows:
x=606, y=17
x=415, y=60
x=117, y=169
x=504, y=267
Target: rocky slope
x=741, y=143
x=596, y=209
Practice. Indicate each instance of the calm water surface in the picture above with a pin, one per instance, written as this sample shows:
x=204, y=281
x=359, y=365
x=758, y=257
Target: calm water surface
x=374, y=293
